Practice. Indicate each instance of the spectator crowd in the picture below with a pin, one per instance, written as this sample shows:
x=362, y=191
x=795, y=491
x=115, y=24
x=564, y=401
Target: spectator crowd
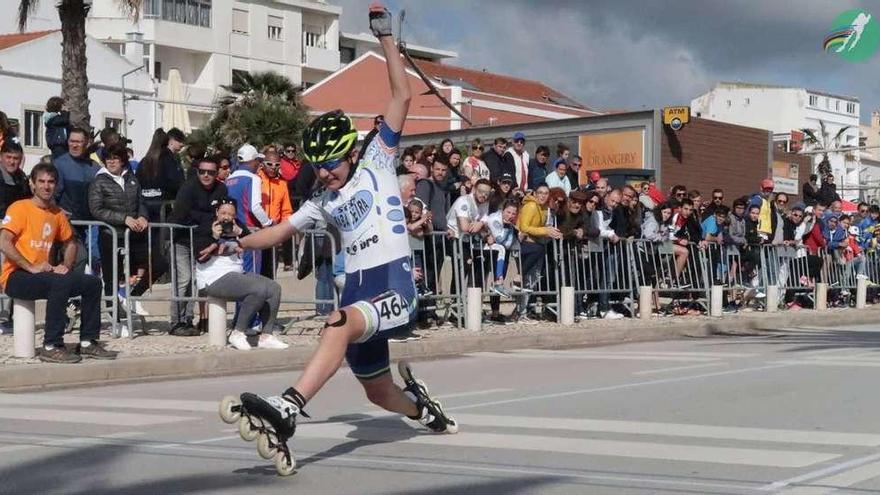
x=488, y=207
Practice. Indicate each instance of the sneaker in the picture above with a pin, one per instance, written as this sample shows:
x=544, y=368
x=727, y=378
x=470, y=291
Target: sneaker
x=94, y=350
x=524, y=318
x=269, y=341
x=521, y=288
x=239, y=341
x=184, y=330
x=498, y=319
x=500, y=290
x=730, y=308
x=759, y=294
x=612, y=315
x=202, y=326
x=6, y=328
x=58, y=354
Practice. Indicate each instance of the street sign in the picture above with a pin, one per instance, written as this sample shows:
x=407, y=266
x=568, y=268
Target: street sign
x=676, y=117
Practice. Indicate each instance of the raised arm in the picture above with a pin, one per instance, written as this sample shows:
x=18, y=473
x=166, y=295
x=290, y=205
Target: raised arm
x=268, y=237
x=380, y=24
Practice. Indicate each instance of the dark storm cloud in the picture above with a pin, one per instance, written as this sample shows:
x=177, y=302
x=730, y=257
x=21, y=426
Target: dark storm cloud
x=633, y=54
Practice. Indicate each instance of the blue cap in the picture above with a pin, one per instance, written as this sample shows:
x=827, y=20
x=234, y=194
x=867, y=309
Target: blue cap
x=519, y=135
x=558, y=161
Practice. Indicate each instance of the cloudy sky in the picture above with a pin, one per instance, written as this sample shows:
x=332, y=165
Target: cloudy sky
x=633, y=54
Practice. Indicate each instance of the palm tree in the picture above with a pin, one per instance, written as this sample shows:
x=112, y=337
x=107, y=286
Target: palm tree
x=74, y=80
x=822, y=141
x=261, y=108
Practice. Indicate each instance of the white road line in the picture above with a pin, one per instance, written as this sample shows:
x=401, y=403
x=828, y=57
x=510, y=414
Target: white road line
x=585, y=356
x=709, y=354
x=812, y=475
x=622, y=386
x=676, y=368
x=581, y=446
x=673, y=429
x=77, y=401
x=838, y=364
x=89, y=417
x=476, y=392
x=38, y=442
x=838, y=481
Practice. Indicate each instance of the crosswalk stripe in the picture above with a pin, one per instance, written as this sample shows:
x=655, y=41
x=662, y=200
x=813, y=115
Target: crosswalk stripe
x=674, y=429
x=596, y=355
x=717, y=355
x=90, y=417
x=817, y=362
x=74, y=401
x=582, y=446
x=836, y=482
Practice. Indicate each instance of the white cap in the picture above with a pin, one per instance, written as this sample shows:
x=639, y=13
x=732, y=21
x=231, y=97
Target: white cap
x=248, y=153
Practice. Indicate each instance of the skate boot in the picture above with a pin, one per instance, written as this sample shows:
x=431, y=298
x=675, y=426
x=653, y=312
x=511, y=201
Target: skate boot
x=271, y=421
x=430, y=410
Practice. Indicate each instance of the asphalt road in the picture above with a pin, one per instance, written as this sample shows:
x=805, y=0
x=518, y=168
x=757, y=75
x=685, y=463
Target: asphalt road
x=794, y=411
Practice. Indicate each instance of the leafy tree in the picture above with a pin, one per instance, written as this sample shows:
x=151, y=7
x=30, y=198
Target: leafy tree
x=823, y=141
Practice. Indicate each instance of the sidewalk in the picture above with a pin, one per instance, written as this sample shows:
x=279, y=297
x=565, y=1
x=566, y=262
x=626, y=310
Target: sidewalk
x=162, y=357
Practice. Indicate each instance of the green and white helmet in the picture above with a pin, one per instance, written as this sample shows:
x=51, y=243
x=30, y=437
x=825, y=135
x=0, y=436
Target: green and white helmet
x=329, y=137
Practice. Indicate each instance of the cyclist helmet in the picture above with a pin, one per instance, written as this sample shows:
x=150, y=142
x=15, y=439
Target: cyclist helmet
x=329, y=137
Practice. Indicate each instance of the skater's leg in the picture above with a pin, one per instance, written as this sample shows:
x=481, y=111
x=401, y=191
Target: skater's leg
x=383, y=392
x=343, y=327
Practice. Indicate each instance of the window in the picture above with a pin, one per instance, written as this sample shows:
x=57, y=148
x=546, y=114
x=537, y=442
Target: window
x=814, y=101
x=346, y=54
x=850, y=108
x=827, y=104
x=113, y=123
x=837, y=105
x=192, y=12
x=157, y=70
x=729, y=103
x=748, y=100
x=33, y=128
x=238, y=74
x=313, y=36
x=276, y=28
x=239, y=21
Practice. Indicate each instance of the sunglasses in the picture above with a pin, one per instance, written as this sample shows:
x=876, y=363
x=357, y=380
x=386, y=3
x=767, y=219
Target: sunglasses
x=593, y=201
x=205, y=171
x=272, y=164
x=782, y=202
x=478, y=148
x=719, y=198
x=290, y=150
x=328, y=165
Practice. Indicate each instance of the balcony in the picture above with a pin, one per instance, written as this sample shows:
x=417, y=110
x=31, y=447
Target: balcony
x=320, y=59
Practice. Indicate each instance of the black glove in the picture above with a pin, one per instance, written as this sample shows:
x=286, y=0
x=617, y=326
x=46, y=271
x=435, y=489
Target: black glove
x=380, y=22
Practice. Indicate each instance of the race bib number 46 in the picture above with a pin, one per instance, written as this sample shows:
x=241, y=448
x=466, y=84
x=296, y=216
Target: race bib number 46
x=393, y=310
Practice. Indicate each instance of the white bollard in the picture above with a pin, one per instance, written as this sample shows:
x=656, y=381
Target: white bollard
x=23, y=328
x=474, y=321
x=715, y=302
x=821, y=296
x=216, y=322
x=566, y=306
x=772, y=301
x=861, y=292
x=646, y=302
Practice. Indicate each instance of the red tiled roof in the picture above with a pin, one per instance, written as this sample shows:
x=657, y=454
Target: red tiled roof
x=10, y=40
x=498, y=84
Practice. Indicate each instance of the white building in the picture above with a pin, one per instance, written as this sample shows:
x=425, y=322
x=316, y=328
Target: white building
x=783, y=109
x=208, y=40
x=352, y=46
x=30, y=73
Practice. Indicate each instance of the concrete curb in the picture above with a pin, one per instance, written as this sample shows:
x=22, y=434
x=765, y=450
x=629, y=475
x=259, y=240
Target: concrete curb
x=227, y=362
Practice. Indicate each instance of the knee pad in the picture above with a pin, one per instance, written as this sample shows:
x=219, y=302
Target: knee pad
x=337, y=323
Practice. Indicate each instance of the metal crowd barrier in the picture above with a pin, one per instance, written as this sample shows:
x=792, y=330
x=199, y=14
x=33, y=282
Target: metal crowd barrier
x=110, y=303
x=440, y=292
x=597, y=269
x=676, y=271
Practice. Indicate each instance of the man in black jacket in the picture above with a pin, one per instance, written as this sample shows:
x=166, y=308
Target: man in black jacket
x=495, y=161
x=192, y=207
x=14, y=183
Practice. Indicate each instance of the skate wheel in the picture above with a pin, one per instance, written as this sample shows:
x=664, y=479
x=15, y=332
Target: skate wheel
x=283, y=465
x=226, y=413
x=452, y=427
x=248, y=433
x=263, y=447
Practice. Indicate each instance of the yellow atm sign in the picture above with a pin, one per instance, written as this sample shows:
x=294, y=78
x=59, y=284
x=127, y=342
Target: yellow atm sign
x=676, y=117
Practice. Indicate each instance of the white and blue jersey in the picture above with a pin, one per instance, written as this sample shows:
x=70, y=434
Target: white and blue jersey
x=368, y=214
